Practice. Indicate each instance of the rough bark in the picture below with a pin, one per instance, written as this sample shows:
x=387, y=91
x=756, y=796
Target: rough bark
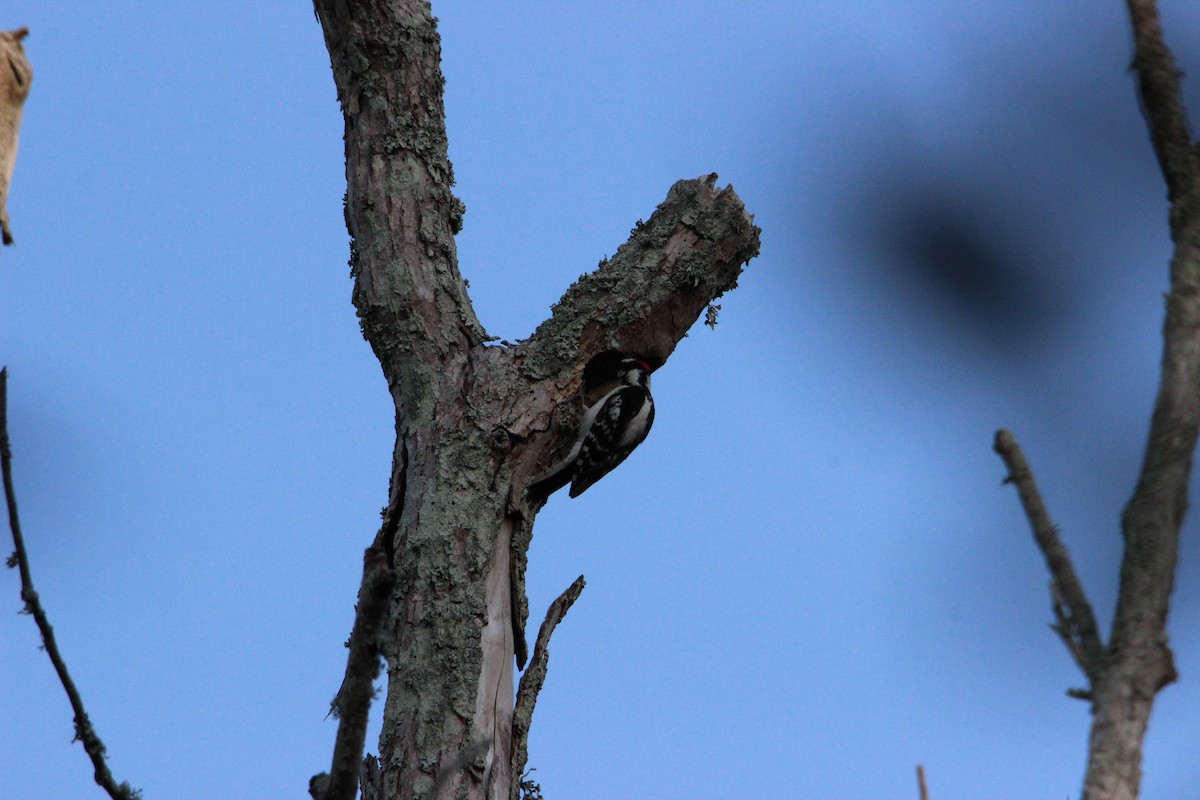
x=16, y=77
x=474, y=421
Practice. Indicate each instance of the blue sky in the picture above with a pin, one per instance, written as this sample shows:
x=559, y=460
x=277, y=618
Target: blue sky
x=808, y=579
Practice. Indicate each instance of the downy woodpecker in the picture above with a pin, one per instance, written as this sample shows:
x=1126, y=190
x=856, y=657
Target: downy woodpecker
x=611, y=428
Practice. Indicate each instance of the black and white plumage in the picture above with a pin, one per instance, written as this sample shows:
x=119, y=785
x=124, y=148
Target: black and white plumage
x=612, y=427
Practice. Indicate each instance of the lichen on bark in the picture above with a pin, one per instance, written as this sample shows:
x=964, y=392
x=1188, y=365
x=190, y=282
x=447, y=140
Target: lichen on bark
x=474, y=420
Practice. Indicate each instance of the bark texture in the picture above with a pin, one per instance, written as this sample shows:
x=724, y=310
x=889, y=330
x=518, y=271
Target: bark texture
x=474, y=421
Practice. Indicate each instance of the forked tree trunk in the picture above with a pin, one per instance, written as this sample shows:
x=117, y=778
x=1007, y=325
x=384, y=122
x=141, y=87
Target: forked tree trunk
x=1126, y=673
x=475, y=420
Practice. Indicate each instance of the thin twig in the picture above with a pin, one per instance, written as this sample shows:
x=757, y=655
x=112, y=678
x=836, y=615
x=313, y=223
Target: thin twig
x=921, y=782
x=353, y=701
x=84, y=732
x=535, y=676
x=1075, y=620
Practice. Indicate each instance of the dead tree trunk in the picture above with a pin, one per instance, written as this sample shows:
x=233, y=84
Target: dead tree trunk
x=474, y=421
x=1125, y=675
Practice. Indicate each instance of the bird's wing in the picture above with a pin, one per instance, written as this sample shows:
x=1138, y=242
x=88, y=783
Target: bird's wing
x=612, y=420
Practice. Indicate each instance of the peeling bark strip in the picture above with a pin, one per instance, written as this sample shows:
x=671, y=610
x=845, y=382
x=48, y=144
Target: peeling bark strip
x=1138, y=662
x=16, y=76
x=475, y=421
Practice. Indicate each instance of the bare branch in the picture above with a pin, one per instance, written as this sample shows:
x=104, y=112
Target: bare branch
x=84, y=732
x=1162, y=100
x=1075, y=620
x=1063, y=627
x=535, y=676
x=924, y=790
x=353, y=701
x=1141, y=662
x=649, y=294
x=1155, y=513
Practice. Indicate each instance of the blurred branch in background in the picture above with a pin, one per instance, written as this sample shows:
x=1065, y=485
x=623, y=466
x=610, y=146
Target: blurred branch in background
x=1125, y=676
x=84, y=732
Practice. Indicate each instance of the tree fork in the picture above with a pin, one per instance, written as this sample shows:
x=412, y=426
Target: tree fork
x=475, y=421
x=1125, y=675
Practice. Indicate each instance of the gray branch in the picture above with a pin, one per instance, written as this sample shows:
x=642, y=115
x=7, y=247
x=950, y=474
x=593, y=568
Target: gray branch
x=646, y=297
x=1162, y=99
x=1075, y=622
x=1138, y=661
x=535, y=676
x=353, y=701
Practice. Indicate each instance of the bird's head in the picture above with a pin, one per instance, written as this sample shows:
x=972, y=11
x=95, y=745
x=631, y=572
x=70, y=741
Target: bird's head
x=634, y=372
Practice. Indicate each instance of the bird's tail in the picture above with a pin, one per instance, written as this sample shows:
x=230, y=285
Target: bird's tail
x=541, y=488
